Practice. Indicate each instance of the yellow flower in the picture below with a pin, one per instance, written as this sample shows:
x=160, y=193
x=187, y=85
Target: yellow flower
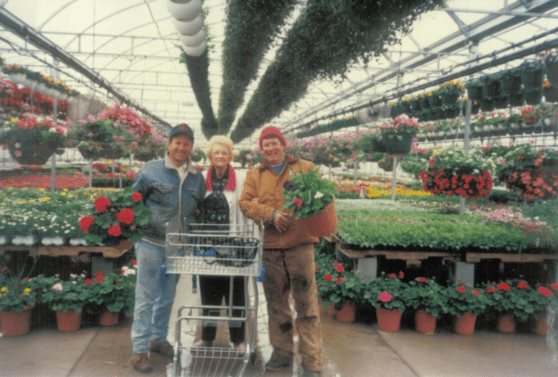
x=26, y=291
x=4, y=289
x=31, y=200
x=14, y=120
x=63, y=194
x=45, y=199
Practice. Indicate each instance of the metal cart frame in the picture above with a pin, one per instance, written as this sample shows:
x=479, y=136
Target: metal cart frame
x=218, y=250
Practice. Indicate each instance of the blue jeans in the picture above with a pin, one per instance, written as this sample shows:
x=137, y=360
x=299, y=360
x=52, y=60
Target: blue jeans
x=154, y=297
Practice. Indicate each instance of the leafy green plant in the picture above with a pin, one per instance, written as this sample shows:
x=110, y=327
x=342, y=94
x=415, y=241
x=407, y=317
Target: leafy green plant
x=462, y=298
x=387, y=292
x=108, y=292
x=66, y=295
x=118, y=216
x=513, y=297
x=307, y=194
x=427, y=295
x=339, y=286
x=16, y=291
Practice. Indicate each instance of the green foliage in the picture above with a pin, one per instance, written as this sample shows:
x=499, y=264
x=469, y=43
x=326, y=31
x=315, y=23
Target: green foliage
x=198, y=67
x=387, y=292
x=65, y=295
x=514, y=297
x=427, y=295
x=325, y=39
x=339, y=286
x=463, y=298
x=251, y=27
x=373, y=229
x=414, y=163
x=307, y=194
x=109, y=293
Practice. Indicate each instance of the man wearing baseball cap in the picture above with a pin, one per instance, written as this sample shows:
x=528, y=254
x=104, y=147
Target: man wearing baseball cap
x=288, y=257
x=173, y=189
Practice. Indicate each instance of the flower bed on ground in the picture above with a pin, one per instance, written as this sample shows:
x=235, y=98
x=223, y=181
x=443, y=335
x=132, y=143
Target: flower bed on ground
x=62, y=180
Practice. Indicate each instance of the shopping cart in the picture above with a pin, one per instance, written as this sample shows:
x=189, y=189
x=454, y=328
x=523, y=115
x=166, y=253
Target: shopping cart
x=223, y=250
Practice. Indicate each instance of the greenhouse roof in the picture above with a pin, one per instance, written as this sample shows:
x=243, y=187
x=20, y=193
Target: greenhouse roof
x=128, y=51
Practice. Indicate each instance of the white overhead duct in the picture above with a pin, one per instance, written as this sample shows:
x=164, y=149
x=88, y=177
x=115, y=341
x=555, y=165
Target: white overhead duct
x=194, y=40
x=185, y=11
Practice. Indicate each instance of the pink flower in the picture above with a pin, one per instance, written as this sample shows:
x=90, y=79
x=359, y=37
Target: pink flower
x=17, y=153
x=57, y=287
x=90, y=118
x=385, y=297
x=298, y=202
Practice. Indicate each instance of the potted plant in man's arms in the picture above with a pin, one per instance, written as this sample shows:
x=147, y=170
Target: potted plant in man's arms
x=310, y=197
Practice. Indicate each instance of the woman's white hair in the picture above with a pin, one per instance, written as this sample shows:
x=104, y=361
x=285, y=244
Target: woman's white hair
x=222, y=141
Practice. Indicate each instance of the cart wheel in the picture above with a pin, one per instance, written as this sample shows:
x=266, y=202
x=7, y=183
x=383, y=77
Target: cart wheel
x=253, y=357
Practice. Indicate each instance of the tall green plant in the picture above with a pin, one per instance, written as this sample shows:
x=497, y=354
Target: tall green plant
x=251, y=27
x=327, y=37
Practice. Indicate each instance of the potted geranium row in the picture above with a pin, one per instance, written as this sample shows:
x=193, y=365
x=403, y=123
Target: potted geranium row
x=387, y=294
x=310, y=198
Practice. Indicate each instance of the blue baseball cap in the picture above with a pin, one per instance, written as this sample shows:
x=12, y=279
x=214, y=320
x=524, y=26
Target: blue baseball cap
x=182, y=129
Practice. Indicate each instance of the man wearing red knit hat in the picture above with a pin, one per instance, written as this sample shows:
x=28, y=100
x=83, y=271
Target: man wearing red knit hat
x=288, y=257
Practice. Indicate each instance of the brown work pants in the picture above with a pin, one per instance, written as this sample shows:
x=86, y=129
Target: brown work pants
x=293, y=271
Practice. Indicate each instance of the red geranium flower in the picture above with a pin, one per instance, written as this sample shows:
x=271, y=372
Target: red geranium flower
x=298, y=202
x=475, y=292
x=134, y=262
x=503, y=287
x=99, y=278
x=545, y=291
x=328, y=277
x=461, y=289
x=114, y=230
x=393, y=276
x=422, y=280
x=385, y=297
x=102, y=203
x=401, y=275
x=85, y=222
x=126, y=216
x=136, y=196
x=88, y=281
x=522, y=285
x=339, y=280
x=339, y=268
x=554, y=286
x=491, y=290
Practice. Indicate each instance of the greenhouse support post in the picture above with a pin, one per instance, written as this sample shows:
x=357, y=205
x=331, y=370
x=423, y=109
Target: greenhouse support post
x=393, y=177
x=466, y=137
x=53, y=158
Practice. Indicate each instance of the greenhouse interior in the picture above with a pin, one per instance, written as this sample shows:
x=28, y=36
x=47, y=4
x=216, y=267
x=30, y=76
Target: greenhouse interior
x=428, y=130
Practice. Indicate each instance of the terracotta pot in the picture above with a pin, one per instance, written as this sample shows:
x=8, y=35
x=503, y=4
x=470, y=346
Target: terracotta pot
x=540, y=327
x=506, y=323
x=347, y=312
x=322, y=224
x=16, y=323
x=107, y=318
x=465, y=325
x=68, y=321
x=388, y=320
x=425, y=322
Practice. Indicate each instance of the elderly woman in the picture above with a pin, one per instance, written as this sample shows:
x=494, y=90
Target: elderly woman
x=222, y=177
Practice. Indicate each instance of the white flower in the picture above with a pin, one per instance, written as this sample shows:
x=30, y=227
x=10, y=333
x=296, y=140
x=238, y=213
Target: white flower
x=57, y=287
x=318, y=195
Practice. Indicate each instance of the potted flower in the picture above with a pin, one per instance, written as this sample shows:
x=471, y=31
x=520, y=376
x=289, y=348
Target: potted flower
x=343, y=290
x=454, y=171
x=531, y=172
x=398, y=134
x=465, y=304
x=31, y=140
x=386, y=163
x=430, y=300
x=474, y=90
x=512, y=300
x=551, y=65
x=543, y=298
x=117, y=217
x=108, y=297
x=310, y=197
x=450, y=91
x=531, y=72
x=67, y=298
x=128, y=281
x=387, y=294
x=17, y=298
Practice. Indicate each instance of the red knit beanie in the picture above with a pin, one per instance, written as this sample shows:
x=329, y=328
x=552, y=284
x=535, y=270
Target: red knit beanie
x=271, y=130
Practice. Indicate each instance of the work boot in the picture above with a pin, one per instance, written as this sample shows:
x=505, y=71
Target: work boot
x=141, y=363
x=164, y=348
x=279, y=360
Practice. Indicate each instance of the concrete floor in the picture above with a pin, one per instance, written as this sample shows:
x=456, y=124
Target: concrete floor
x=350, y=350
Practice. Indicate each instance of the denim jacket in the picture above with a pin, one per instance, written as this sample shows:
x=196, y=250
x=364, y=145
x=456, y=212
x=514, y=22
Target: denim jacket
x=161, y=188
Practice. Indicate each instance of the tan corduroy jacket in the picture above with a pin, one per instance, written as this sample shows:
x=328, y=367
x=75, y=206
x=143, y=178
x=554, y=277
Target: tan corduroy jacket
x=263, y=183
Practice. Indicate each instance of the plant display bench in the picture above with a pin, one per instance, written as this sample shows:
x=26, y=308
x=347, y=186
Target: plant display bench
x=366, y=261
x=102, y=258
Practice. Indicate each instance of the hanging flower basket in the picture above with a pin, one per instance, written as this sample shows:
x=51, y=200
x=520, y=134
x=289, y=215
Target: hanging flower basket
x=532, y=79
x=510, y=84
x=386, y=164
x=434, y=100
x=424, y=104
x=533, y=97
x=516, y=99
x=400, y=145
x=491, y=88
x=501, y=102
x=487, y=104
x=463, y=182
x=474, y=92
x=551, y=94
x=551, y=67
x=29, y=154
